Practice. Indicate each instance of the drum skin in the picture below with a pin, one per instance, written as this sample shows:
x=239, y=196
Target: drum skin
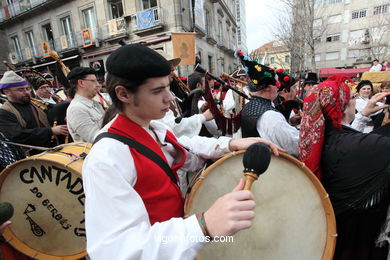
x=47, y=194
x=294, y=217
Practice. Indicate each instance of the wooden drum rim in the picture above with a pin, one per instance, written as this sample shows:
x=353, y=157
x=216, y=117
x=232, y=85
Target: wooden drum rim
x=326, y=203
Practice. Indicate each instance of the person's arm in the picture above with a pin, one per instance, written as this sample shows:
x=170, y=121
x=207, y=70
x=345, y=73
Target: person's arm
x=81, y=122
x=117, y=222
x=188, y=126
x=273, y=126
x=360, y=122
x=11, y=128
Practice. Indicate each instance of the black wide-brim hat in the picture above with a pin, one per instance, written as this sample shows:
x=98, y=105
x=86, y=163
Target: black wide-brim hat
x=310, y=78
x=137, y=62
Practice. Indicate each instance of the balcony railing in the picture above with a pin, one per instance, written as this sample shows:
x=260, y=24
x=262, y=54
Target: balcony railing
x=147, y=19
x=114, y=28
x=14, y=9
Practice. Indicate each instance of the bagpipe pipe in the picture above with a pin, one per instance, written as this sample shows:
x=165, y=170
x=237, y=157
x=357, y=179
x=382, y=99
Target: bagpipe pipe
x=65, y=71
x=226, y=125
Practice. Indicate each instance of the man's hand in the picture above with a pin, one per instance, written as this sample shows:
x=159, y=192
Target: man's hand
x=244, y=143
x=371, y=106
x=60, y=130
x=231, y=213
x=208, y=115
x=4, y=225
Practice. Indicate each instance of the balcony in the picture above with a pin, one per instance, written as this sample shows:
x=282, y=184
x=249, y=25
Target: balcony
x=147, y=21
x=114, y=29
x=19, y=9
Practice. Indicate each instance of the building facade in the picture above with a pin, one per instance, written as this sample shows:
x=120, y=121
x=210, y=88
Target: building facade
x=274, y=54
x=241, y=26
x=352, y=32
x=85, y=32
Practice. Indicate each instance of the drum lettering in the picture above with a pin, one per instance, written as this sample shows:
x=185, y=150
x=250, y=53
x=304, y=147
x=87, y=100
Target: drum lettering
x=59, y=170
x=58, y=217
x=45, y=202
x=80, y=190
x=53, y=212
x=64, y=224
x=36, y=192
x=80, y=232
x=81, y=198
x=35, y=172
x=22, y=176
x=46, y=172
x=50, y=207
x=68, y=177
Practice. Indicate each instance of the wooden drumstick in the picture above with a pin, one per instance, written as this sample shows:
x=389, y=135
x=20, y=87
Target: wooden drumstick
x=256, y=161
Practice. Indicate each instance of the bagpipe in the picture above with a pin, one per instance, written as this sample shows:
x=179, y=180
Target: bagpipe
x=226, y=125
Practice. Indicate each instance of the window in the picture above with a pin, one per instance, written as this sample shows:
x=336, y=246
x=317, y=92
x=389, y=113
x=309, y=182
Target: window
x=16, y=46
x=67, y=30
x=89, y=18
x=287, y=59
x=335, y=19
x=381, y=9
x=354, y=54
x=208, y=23
x=115, y=8
x=220, y=33
x=332, y=55
x=31, y=43
x=359, y=14
x=317, y=3
x=146, y=4
x=272, y=60
x=335, y=1
x=210, y=63
x=317, y=57
x=47, y=33
x=261, y=60
x=333, y=38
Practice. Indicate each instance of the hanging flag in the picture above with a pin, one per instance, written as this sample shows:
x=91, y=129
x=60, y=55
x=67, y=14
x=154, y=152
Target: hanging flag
x=145, y=19
x=86, y=35
x=45, y=49
x=184, y=47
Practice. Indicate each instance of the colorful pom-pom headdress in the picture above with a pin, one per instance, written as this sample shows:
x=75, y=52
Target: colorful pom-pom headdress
x=261, y=76
x=286, y=81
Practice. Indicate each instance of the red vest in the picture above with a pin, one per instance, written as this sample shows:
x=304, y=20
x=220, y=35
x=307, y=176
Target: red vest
x=162, y=198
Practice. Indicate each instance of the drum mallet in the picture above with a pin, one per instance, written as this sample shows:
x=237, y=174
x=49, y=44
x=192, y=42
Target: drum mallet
x=256, y=161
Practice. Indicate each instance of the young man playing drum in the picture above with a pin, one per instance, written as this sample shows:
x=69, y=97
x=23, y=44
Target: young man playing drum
x=133, y=209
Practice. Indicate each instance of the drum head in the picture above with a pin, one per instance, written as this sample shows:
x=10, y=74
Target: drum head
x=294, y=217
x=47, y=194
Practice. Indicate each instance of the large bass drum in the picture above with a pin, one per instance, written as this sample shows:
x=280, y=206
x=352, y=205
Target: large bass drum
x=294, y=217
x=47, y=193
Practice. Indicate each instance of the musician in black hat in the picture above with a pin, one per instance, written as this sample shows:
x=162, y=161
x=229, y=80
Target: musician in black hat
x=84, y=114
x=311, y=79
x=134, y=207
x=259, y=117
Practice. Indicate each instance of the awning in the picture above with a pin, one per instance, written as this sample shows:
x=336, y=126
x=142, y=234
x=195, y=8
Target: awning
x=327, y=72
x=52, y=62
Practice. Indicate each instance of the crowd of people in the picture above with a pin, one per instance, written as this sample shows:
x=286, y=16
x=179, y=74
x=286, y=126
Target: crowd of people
x=162, y=127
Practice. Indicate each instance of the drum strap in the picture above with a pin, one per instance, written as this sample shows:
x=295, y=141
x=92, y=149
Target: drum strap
x=143, y=150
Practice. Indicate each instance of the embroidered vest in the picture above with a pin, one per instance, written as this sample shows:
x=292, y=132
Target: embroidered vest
x=255, y=108
x=162, y=198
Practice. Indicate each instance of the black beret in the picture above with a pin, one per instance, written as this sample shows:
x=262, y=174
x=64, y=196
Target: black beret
x=137, y=62
x=80, y=72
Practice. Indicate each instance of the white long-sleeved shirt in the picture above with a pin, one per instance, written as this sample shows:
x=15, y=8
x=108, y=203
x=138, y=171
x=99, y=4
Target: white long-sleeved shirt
x=117, y=223
x=188, y=126
x=273, y=126
x=84, y=118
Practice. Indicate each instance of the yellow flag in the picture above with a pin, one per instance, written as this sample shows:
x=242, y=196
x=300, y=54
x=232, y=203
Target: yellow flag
x=184, y=47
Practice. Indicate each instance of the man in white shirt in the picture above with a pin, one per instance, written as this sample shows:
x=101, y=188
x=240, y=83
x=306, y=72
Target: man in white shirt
x=259, y=117
x=376, y=66
x=131, y=202
x=84, y=114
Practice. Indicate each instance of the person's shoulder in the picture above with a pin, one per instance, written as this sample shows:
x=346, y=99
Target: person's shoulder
x=106, y=149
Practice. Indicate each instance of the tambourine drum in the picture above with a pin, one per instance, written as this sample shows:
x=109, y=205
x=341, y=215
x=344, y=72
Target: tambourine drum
x=46, y=191
x=294, y=217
